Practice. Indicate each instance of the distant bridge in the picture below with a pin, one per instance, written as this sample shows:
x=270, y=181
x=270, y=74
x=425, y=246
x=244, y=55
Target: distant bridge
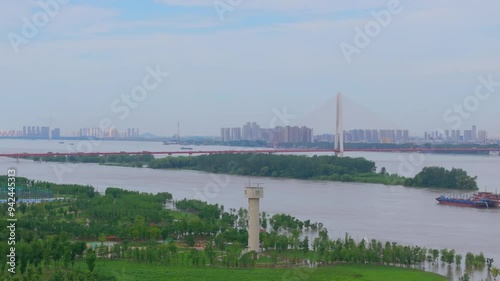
x=259, y=151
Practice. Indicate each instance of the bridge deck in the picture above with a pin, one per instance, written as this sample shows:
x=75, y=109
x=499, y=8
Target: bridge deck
x=268, y=151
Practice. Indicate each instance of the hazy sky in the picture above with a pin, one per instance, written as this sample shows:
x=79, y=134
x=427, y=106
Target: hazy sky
x=249, y=60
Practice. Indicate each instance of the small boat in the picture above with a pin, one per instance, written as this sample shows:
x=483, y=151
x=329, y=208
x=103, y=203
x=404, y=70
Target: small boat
x=186, y=148
x=61, y=142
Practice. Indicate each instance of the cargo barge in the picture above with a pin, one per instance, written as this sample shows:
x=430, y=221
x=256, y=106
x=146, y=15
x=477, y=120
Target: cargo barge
x=477, y=200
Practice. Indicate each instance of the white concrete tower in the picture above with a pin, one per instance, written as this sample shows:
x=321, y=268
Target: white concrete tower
x=253, y=193
x=339, y=131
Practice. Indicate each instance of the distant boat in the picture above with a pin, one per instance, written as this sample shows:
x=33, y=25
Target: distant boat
x=495, y=153
x=186, y=148
x=61, y=142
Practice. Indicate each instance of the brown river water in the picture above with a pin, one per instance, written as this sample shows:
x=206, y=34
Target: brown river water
x=408, y=216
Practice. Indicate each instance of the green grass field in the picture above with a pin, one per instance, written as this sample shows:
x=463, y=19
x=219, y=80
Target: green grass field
x=126, y=271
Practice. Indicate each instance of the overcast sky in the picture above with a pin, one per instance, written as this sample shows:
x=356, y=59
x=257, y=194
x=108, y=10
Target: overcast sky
x=249, y=60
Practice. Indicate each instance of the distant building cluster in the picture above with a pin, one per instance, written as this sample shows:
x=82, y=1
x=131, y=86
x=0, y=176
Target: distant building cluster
x=11, y=133
x=472, y=135
x=36, y=131
x=110, y=133
x=377, y=136
x=369, y=136
x=42, y=132
x=280, y=134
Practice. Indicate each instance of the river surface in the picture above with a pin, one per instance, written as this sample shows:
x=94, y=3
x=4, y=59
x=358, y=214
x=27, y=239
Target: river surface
x=388, y=213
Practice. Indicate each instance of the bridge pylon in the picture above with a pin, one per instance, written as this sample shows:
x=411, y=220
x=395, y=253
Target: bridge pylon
x=339, y=130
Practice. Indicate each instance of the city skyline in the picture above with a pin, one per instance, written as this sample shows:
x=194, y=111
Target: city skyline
x=278, y=134
x=202, y=70
x=253, y=131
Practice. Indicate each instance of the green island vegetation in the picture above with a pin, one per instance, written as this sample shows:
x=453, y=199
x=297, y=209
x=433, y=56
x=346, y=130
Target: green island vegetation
x=129, y=235
x=283, y=166
x=330, y=168
x=138, y=161
x=439, y=177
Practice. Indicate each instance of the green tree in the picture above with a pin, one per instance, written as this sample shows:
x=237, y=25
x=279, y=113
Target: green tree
x=383, y=171
x=90, y=260
x=465, y=277
x=495, y=271
x=304, y=246
x=58, y=276
x=458, y=260
x=435, y=254
x=190, y=241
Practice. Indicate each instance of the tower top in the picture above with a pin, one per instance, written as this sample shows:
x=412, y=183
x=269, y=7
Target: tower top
x=254, y=192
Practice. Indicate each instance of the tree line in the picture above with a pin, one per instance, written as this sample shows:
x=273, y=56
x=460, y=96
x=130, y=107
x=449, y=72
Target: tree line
x=316, y=167
x=442, y=178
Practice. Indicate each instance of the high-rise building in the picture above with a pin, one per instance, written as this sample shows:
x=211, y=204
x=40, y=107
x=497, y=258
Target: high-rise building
x=225, y=134
x=399, y=136
x=267, y=134
x=56, y=133
x=406, y=135
x=474, y=133
x=247, y=131
x=387, y=136
x=375, y=136
x=468, y=135
x=255, y=129
x=482, y=135
x=368, y=135
x=45, y=132
x=235, y=134
x=305, y=134
x=360, y=135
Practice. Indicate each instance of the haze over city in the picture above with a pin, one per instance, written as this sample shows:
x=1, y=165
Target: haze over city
x=247, y=63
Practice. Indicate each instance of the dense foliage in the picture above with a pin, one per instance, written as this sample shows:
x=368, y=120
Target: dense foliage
x=439, y=177
x=285, y=166
x=51, y=237
x=316, y=167
x=56, y=189
x=122, y=159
